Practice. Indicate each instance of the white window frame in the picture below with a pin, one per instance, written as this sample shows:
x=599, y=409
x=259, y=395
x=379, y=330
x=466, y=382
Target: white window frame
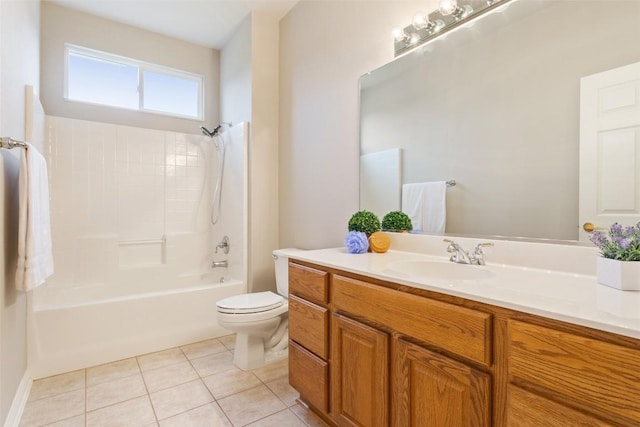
x=142, y=67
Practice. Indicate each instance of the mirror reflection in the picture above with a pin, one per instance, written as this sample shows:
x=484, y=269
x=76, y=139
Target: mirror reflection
x=495, y=106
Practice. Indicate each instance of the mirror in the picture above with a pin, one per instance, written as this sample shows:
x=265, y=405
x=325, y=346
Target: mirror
x=494, y=105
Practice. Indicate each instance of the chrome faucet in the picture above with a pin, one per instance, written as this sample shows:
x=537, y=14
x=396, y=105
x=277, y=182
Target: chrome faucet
x=461, y=256
x=477, y=257
x=224, y=245
x=458, y=254
x=223, y=263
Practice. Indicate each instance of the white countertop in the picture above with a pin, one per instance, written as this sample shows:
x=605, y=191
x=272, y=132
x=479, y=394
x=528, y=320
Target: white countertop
x=570, y=297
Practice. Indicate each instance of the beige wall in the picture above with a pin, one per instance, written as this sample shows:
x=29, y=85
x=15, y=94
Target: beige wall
x=235, y=75
x=324, y=48
x=61, y=25
x=249, y=92
x=19, y=66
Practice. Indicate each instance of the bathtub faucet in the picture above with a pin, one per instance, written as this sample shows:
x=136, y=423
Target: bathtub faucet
x=223, y=263
x=224, y=245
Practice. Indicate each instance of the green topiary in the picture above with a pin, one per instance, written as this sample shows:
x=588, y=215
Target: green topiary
x=396, y=221
x=364, y=221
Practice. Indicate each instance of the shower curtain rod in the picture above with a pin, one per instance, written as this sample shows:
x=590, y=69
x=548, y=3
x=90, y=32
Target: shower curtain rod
x=8, y=142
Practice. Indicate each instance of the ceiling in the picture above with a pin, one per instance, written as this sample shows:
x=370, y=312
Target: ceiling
x=204, y=22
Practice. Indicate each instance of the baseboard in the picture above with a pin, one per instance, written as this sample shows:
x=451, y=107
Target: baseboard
x=19, y=401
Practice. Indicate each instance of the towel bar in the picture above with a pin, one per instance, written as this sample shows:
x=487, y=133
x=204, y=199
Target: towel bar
x=8, y=142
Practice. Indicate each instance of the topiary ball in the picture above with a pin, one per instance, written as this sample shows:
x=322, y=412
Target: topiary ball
x=365, y=222
x=397, y=221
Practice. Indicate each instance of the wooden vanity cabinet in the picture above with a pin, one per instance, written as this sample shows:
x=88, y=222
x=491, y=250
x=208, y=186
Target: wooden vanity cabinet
x=371, y=353
x=309, y=334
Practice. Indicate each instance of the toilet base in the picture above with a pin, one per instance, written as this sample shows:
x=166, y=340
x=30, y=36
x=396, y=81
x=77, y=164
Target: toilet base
x=249, y=352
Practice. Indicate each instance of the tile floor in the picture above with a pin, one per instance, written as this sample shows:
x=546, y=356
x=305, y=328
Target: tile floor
x=193, y=385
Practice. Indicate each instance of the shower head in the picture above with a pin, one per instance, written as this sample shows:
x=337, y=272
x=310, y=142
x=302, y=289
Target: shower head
x=211, y=134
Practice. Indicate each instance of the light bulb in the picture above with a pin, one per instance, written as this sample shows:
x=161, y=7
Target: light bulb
x=399, y=35
x=413, y=39
x=420, y=20
x=447, y=7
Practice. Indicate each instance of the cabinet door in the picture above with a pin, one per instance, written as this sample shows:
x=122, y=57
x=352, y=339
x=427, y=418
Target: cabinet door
x=359, y=373
x=429, y=389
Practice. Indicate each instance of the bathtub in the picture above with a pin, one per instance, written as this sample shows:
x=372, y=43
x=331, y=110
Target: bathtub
x=74, y=328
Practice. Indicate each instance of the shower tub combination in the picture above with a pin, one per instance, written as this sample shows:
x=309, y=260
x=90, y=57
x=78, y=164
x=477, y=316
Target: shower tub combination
x=117, y=294
x=87, y=326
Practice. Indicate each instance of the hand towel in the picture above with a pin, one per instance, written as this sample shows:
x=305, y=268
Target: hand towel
x=425, y=204
x=35, y=255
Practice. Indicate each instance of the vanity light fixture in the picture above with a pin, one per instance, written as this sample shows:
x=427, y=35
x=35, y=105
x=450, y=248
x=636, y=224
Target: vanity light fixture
x=401, y=36
x=449, y=15
x=450, y=7
x=421, y=22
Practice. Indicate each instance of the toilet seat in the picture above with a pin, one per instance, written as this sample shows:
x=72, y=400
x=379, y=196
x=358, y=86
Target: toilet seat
x=250, y=303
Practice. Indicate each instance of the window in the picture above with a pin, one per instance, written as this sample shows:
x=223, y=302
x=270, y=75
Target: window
x=101, y=78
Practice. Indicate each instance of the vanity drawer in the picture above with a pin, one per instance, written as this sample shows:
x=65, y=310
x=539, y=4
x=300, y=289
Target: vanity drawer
x=310, y=376
x=462, y=331
x=526, y=409
x=601, y=377
x=309, y=325
x=309, y=283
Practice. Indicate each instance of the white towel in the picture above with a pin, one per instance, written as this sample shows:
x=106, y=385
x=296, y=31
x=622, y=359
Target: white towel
x=35, y=256
x=425, y=203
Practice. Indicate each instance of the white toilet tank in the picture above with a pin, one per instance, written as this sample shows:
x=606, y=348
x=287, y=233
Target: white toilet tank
x=281, y=259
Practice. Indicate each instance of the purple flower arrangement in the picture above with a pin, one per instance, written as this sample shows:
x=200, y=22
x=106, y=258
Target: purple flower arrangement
x=356, y=242
x=622, y=243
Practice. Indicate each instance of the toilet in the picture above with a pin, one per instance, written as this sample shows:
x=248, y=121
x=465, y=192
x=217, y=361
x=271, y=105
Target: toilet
x=259, y=320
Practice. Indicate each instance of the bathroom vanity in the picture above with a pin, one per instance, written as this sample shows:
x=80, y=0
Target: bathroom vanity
x=374, y=341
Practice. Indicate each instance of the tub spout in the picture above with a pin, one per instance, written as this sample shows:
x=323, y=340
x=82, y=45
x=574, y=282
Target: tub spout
x=223, y=263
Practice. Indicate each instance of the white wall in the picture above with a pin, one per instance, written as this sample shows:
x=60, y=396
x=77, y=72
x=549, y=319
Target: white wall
x=61, y=25
x=249, y=92
x=19, y=66
x=324, y=48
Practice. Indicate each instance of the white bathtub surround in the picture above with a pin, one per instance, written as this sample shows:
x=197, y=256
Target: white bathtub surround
x=542, y=278
x=133, y=243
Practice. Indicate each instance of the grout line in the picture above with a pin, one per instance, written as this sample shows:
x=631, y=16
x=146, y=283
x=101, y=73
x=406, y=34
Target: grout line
x=153, y=408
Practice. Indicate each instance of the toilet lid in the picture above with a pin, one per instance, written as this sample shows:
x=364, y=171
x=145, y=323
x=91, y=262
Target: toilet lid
x=250, y=303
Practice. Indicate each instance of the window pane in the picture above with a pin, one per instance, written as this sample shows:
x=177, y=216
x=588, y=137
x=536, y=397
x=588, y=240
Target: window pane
x=170, y=94
x=102, y=82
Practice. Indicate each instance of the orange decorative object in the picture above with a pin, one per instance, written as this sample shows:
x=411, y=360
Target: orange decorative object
x=379, y=242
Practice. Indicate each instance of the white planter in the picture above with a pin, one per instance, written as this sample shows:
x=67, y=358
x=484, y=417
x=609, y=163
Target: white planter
x=623, y=275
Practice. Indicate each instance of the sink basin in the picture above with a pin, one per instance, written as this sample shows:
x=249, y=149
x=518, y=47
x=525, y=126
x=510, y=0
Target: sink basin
x=440, y=270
